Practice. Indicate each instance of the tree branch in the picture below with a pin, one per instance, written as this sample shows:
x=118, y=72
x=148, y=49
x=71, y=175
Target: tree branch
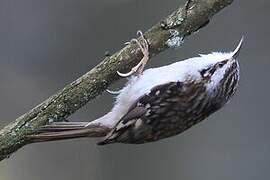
x=169, y=33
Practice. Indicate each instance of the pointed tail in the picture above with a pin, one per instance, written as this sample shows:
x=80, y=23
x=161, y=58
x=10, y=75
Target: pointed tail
x=67, y=130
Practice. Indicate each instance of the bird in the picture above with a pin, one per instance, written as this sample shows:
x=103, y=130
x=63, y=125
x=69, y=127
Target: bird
x=161, y=102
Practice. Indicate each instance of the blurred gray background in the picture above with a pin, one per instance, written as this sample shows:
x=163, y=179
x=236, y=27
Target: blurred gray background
x=46, y=44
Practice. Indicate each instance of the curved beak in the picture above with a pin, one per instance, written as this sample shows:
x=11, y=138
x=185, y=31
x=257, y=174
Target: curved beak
x=236, y=52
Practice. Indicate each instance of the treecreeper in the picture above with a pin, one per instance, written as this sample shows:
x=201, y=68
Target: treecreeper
x=160, y=102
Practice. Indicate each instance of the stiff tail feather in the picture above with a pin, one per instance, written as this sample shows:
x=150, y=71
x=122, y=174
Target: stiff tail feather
x=67, y=130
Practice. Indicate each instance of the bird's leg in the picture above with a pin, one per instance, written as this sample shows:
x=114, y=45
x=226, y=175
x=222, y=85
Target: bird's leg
x=144, y=47
x=138, y=69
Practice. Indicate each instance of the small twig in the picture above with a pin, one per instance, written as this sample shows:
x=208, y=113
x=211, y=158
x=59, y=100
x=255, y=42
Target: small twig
x=168, y=33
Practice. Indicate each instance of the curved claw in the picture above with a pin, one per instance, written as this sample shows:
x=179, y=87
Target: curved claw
x=125, y=74
x=113, y=92
x=135, y=41
x=139, y=33
x=144, y=47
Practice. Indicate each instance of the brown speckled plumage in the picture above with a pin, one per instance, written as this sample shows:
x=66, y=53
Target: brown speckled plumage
x=170, y=109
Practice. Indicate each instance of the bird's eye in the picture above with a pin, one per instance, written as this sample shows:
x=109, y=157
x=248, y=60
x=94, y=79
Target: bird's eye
x=221, y=64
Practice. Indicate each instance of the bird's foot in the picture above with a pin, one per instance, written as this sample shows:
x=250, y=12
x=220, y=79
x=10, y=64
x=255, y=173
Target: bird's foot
x=113, y=92
x=144, y=47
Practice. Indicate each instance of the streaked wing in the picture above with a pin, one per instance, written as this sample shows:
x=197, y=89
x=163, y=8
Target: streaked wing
x=145, y=109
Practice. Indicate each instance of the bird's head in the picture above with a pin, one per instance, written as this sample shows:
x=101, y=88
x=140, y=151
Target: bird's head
x=217, y=67
x=216, y=64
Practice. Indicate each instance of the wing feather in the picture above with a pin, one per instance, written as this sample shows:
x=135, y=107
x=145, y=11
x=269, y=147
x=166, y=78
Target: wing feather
x=140, y=110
